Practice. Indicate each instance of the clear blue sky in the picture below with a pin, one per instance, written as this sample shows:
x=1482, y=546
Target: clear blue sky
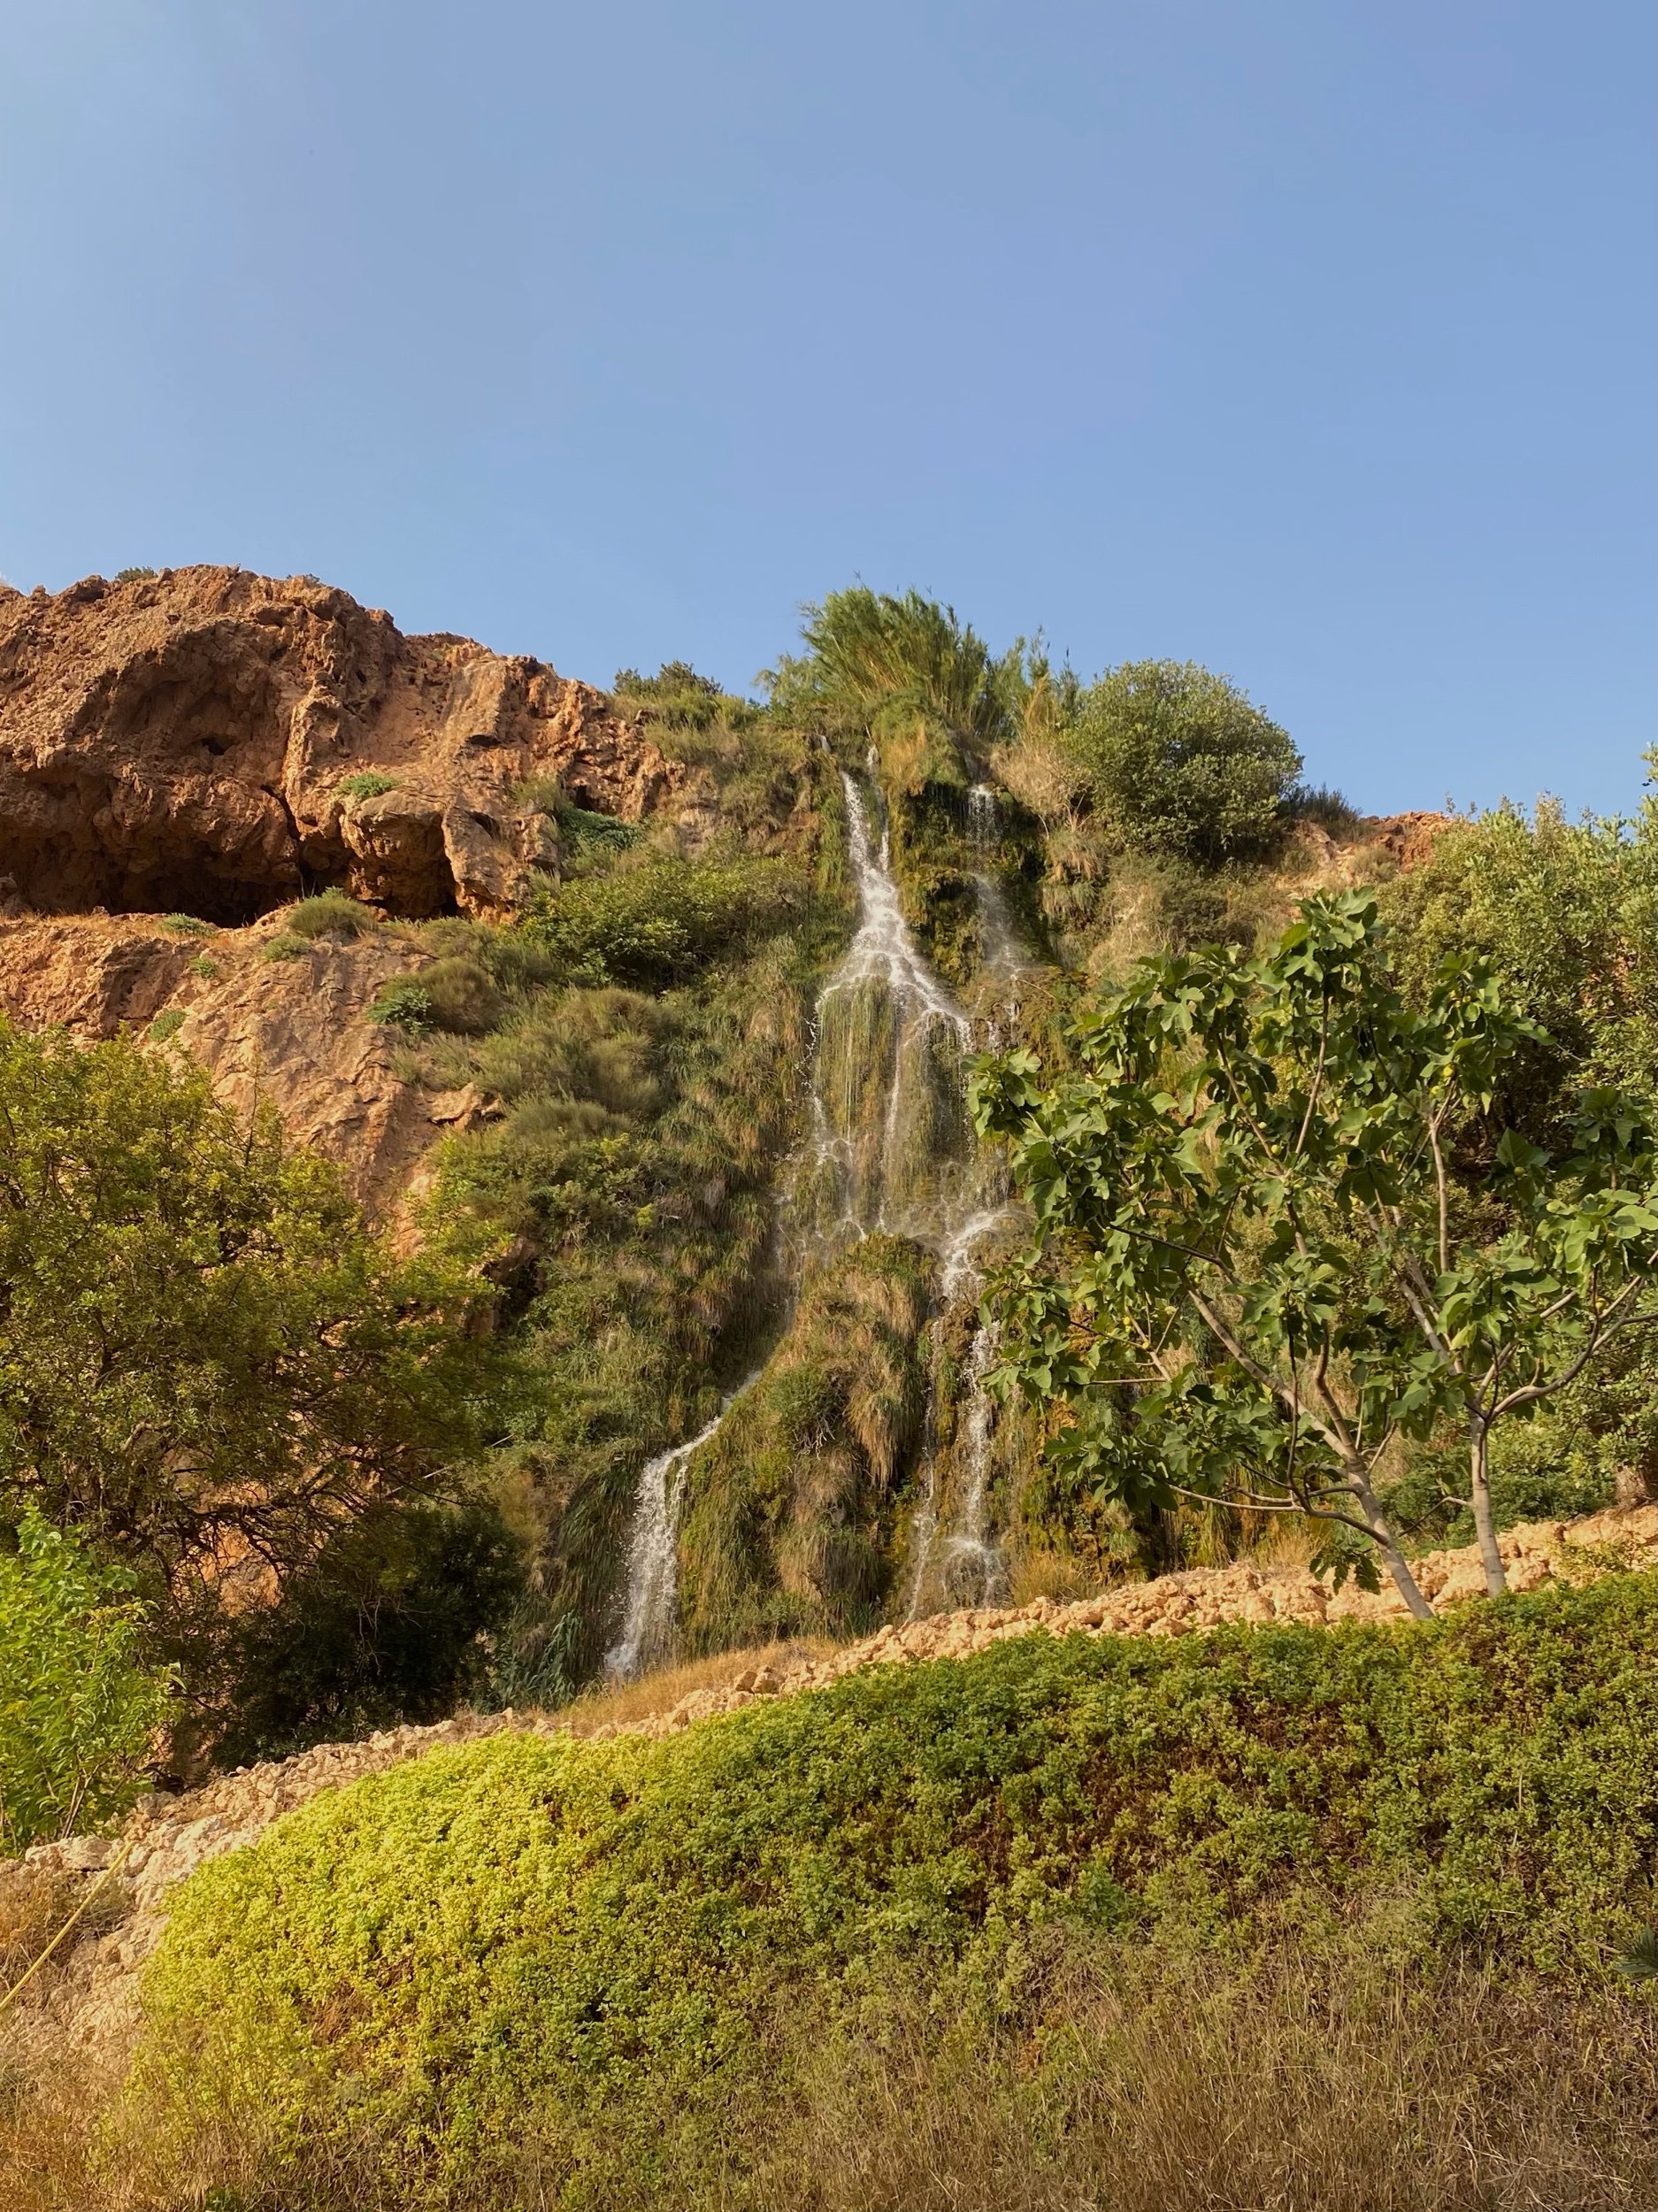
x=1311, y=341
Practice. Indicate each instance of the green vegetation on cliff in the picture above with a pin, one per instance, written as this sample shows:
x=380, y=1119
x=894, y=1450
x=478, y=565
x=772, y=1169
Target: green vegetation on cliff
x=209, y=1364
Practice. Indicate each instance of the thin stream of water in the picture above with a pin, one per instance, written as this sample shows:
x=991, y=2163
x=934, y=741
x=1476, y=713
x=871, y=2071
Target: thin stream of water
x=653, y=1560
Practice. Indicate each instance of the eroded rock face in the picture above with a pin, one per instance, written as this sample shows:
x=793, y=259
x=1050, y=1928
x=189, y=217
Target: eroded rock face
x=292, y=1033
x=175, y=747
x=178, y=743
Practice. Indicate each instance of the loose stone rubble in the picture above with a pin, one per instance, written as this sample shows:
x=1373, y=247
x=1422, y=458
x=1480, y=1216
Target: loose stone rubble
x=167, y=1838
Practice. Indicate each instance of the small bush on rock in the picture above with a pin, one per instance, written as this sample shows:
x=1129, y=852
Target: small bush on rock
x=330, y=914
x=404, y=1003
x=1182, y=762
x=462, y=995
x=368, y=783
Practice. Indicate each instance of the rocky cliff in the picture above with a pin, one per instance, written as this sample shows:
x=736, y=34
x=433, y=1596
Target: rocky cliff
x=206, y=745
x=187, y=742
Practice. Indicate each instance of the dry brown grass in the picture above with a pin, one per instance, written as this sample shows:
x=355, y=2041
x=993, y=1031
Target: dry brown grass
x=1036, y=1573
x=33, y=1905
x=1313, y=2082
x=1202, y=2091
x=654, y=1695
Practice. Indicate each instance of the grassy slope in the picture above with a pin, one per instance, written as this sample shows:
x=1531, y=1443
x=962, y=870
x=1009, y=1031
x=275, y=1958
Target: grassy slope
x=594, y=1945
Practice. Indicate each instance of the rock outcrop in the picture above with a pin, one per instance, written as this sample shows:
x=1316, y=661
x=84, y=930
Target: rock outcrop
x=216, y=743
x=203, y=747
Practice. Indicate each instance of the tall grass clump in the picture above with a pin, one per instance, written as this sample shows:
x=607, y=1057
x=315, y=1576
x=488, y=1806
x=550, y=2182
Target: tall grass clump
x=330, y=914
x=904, y=670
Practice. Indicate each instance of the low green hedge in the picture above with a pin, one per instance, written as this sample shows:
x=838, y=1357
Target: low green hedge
x=594, y=1935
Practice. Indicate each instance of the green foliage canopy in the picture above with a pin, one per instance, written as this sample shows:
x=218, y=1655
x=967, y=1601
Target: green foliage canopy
x=380, y=1628
x=1259, y=1260
x=1180, y=763
x=1567, y=914
x=204, y=1353
x=79, y=1700
x=651, y=918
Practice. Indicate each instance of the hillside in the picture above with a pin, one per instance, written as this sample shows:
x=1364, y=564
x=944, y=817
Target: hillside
x=167, y=1838
x=537, y=967
x=1065, y=1876
x=805, y=1449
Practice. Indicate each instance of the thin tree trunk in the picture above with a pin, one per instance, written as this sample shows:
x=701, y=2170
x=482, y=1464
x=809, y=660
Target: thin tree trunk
x=1479, y=1461
x=1404, y=1581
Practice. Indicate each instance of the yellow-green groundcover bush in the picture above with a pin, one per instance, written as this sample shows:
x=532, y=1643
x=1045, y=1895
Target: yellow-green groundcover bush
x=596, y=1941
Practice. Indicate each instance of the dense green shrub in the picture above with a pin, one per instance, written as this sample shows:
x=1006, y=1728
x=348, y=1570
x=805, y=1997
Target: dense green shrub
x=676, y=696
x=1324, y=804
x=1179, y=761
x=79, y=1700
x=461, y=995
x=1566, y=912
x=600, y=833
x=403, y=1003
x=654, y=919
x=390, y=1623
x=592, y=1938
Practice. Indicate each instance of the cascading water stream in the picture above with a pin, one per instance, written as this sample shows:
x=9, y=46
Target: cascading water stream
x=653, y=1562
x=891, y=1041
x=890, y=1151
x=648, y=1615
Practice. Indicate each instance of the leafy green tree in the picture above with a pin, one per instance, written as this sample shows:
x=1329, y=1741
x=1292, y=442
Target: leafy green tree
x=1260, y=1258
x=207, y=1360
x=1180, y=763
x=79, y=1702
x=1567, y=914
x=384, y=1627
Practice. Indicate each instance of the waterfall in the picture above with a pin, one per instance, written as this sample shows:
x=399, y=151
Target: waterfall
x=891, y=1146
x=653, y=1558
x=973, y=1566
x=890, y=1149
